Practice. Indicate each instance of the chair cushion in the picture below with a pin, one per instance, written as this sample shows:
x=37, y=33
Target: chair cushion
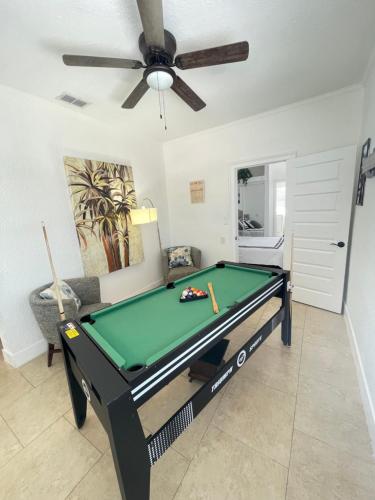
x=179, y=257
x=92, y=308
x=180, y=272
x=66, y=292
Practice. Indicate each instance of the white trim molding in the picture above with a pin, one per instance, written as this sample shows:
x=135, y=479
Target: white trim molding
x=17, y=359
x=368, y=403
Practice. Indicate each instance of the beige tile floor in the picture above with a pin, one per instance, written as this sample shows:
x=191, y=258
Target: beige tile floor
x=289, y=425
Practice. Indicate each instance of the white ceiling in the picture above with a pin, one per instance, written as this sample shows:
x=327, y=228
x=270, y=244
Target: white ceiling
x=298, y=49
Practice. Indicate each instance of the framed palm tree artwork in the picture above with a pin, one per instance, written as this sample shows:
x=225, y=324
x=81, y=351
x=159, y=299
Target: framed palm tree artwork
x=102, y=195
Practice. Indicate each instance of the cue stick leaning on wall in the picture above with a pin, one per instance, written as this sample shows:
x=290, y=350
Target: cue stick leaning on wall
x=54, y=275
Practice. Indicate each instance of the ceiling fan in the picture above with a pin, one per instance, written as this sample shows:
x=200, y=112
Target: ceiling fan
x=158, y=47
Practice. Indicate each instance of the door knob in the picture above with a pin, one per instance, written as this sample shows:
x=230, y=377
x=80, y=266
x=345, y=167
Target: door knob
x=339, y=244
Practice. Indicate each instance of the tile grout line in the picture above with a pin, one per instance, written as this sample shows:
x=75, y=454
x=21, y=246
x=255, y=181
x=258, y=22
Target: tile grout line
x=283, y=392
x=17, y=452
x=24, y=395
x=258, y=325
x=12, y=431
x=266, y=385
x=43, y=381
x=86, y=438
x=295, y=407
x=191, y=460
x=246, y=445
x=83, y=477
x=33, y=388
x=344, y=392
x=44, y=430
x=254, y=450
x=332, y=348
x=369, y=461
x=34, y=439
x=329, y=445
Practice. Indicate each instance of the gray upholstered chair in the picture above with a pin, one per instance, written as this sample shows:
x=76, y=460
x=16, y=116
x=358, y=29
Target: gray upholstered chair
x=46, y=311
x=179, y=272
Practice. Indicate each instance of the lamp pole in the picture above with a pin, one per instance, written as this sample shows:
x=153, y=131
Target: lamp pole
x=157, y=223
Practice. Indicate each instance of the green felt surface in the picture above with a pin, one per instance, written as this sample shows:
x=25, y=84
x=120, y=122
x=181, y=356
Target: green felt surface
x=142, y=329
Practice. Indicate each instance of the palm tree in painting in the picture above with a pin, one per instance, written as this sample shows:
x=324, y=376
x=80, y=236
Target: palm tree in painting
x=103, y=195
x=124, y=200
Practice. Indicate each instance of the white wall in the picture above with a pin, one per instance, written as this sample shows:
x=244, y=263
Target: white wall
x=311, y=126
x=360, y=301
x=35, y=135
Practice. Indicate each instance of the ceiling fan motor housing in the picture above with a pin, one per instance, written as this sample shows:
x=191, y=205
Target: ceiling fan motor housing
x=157, y=55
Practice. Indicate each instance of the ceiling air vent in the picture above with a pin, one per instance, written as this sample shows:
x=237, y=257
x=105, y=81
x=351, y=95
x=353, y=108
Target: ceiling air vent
x=72, y=100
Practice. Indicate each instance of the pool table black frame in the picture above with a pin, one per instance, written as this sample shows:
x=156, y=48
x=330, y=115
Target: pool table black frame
x=116, y=394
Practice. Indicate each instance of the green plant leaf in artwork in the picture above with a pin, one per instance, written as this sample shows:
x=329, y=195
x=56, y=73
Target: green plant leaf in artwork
x=243, y=175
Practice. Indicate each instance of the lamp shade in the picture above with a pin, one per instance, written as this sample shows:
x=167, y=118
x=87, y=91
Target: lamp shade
x=143, y=215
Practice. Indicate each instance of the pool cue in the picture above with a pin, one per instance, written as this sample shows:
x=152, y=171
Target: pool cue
x=215, y=307
x=54, y=275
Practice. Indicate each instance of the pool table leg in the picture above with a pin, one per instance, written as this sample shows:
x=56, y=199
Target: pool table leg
x=78, y=398
x=129, y=448
x=286, y=324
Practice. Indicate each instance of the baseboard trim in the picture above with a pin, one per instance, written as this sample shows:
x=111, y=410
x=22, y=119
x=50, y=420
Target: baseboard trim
x=17, y=359
x=146, y=288
x=367, y=402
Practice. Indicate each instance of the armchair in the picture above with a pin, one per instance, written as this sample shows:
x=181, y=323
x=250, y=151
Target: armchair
x=179, y=272
x=47, y=314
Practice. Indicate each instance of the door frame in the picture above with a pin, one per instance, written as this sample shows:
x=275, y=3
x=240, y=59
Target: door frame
x=233, y=204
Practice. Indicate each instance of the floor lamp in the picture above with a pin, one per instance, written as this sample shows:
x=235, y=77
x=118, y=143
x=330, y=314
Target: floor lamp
x=145, y=215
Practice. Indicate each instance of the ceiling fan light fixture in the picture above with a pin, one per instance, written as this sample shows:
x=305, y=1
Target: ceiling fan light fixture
x=159, y=80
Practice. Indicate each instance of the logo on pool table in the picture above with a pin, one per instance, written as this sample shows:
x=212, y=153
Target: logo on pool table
x=221, y=379
x=254, y=344
x=241, y=358
x=86, y=389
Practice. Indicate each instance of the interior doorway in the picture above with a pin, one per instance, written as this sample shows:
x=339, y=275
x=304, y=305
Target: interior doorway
x=259, y=218
x=319, y=205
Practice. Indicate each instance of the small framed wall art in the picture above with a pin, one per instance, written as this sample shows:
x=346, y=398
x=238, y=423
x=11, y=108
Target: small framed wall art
x=197, y=192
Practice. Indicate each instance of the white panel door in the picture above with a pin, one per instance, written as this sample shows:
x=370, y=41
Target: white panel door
x=319, y=202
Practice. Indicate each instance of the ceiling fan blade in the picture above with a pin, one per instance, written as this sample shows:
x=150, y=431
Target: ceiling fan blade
x=233, y=52
x=136, y=94
x=187, y=94
x=151, y=12
x=100, y=62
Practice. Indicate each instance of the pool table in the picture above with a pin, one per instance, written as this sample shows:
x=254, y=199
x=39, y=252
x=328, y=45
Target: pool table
x=119, y=357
